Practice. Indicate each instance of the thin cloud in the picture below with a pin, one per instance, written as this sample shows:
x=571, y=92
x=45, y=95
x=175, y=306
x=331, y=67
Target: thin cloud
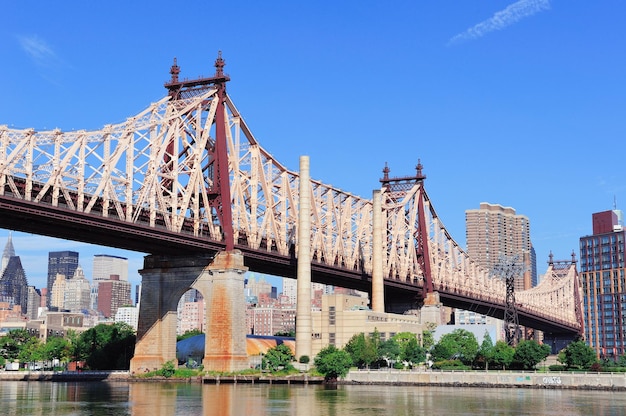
x=512, y=14
x=39, y=51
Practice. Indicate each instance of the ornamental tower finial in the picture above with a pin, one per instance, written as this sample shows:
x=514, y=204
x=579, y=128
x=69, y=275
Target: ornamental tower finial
x=386, y=171
x=174, y=70
x=219, y=65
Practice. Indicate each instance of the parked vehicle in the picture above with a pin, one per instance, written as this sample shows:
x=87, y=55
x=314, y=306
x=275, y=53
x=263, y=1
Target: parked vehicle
x=14, y=366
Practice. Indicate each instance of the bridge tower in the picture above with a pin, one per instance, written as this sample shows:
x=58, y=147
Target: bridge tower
x=220, y=279
x=395, y=189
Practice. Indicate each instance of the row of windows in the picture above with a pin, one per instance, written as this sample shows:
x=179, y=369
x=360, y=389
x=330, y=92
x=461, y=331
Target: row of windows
x=332, y=337
x=605, y=239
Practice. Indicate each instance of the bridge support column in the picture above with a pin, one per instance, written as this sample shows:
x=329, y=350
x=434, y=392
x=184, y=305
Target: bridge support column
x=431, y=311
x=164, y=280
x=304, y=324
x=222, y=282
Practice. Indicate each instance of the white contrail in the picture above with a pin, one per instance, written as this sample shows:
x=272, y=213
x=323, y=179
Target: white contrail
x=38, y=50
x=512, y=14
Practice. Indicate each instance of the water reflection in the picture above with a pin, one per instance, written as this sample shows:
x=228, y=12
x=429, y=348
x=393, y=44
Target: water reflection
x=166, y=399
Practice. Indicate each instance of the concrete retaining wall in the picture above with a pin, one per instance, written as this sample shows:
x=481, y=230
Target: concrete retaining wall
x=605, y=381
x=64, y=375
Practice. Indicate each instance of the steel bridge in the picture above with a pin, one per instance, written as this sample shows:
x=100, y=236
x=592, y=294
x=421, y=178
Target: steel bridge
x=186, y=175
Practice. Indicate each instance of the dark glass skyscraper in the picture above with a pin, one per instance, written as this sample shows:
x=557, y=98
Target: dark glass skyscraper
x=61, y=262
x=604, y=284
x=13, y=283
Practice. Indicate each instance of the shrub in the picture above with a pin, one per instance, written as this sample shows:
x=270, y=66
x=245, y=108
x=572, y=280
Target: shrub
x=277, y=358
x=556, y=367
x=167, y=370
x=332, y=363
x=450, y=365
x=595, y=367
x=304, y=359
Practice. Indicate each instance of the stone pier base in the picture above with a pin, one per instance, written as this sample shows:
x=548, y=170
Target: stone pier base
x=431, y=311
x=165, y=279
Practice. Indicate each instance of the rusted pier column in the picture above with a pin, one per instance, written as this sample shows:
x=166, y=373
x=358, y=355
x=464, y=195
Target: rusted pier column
x=304, y=324
x=222, y=284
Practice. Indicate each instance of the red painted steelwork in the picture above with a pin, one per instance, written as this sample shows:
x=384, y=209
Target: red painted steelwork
x=397, y=186
x=422, y=239
x=217, y=167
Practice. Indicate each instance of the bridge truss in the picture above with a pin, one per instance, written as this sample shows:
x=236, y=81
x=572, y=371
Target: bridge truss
x=158, y=169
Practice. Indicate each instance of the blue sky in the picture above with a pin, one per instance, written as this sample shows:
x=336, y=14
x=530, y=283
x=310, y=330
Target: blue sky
x=518, y=103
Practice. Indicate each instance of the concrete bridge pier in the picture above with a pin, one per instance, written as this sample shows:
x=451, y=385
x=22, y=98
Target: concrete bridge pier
x=165, y=279
x=222, y=284
x=431, y=310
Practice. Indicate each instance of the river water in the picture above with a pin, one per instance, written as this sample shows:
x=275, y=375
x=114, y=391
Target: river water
x=189, y=399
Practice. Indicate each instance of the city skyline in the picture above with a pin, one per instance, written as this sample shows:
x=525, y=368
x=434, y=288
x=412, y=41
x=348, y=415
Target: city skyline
x=505, y=102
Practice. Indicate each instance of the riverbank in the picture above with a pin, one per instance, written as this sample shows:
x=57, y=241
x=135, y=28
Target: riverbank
x=484, y=379
x=65, y=375
x=507, y=379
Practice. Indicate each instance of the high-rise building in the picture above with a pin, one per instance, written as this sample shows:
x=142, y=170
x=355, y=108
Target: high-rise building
x=13, y=282
x=255, y=286
x=270, y=320
x=77, y=292
x=603, y=278
x=105, y=265
x=60, y=262
x=112, y=294
x=34, y=303
x=128, y=314
x=57, y=294
x=191, y=316
x=494, y=232
x=9, y=251
x=14, y=285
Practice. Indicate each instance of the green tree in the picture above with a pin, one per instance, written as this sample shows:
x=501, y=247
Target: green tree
x=459, y=344
x=106, y=347
x=403, y=338
x=445, y=349
x=278, y=357
x=413, y=353
x=363, y=350
x=11, y=344
x=31, y=351
x=428, y=336
x=502, y=354
x=529, y=353
x=578, y=355
x=188, y=334
x=290, y=334
x=485, y=352
x=389, y=351
x=57, y=348
x=332, y=363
